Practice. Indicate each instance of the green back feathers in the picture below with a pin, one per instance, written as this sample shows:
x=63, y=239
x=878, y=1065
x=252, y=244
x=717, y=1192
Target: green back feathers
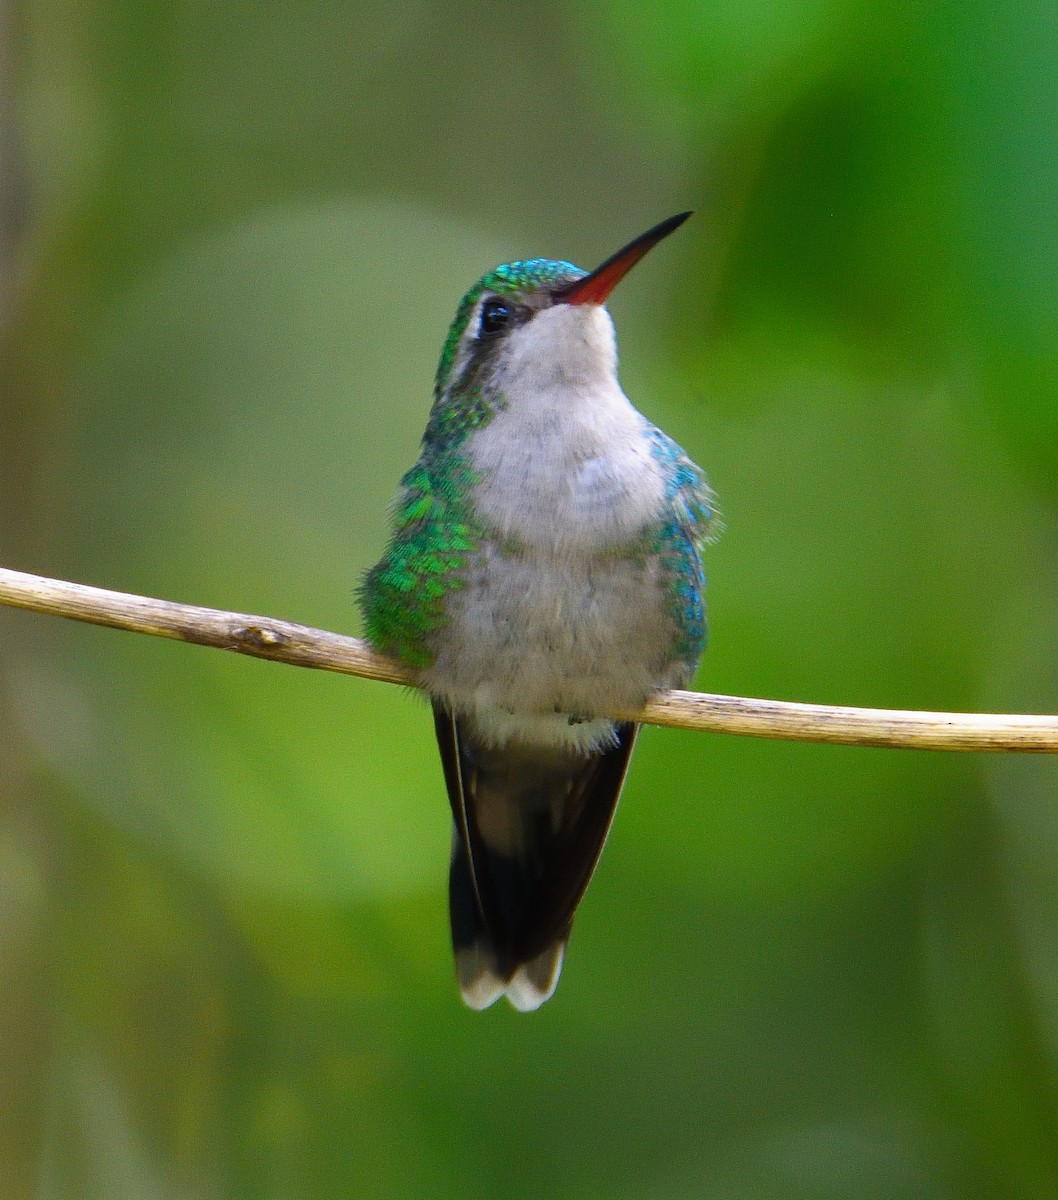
x=402, y=596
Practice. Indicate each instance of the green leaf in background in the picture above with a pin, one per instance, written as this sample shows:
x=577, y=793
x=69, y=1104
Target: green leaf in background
x=1004, y=120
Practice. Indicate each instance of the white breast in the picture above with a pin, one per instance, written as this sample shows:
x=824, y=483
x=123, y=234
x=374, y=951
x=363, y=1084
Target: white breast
x=552, y=618
x=565, y=463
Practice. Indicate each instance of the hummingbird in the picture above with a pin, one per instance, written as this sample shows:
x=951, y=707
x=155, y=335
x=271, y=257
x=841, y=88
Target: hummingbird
x=544, y=573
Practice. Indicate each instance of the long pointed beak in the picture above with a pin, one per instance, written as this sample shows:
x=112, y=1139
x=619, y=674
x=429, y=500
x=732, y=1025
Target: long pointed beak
x=594, y=288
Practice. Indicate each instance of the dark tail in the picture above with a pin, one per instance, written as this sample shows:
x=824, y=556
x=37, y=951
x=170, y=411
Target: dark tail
x=530, y=823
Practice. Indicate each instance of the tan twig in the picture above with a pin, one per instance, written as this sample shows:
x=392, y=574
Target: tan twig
x=302, y=646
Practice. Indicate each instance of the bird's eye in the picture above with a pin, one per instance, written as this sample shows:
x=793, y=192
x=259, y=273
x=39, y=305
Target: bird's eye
x=496, y=316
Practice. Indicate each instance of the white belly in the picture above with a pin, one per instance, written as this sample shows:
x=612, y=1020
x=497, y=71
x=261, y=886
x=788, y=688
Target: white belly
x=553, y=640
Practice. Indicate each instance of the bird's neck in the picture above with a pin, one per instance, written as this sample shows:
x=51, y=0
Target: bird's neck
x=566, y=468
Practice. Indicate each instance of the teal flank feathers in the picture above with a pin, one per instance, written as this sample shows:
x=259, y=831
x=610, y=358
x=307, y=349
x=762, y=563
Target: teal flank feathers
x=403, y=596
x=544, y=573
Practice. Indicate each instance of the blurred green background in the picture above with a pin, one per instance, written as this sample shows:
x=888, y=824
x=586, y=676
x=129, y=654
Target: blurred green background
x=233, y=236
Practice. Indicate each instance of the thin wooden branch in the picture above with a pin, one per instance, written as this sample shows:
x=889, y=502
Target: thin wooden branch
x=302, y=646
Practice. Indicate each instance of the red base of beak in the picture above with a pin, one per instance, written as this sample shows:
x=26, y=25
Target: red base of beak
x=594, y=288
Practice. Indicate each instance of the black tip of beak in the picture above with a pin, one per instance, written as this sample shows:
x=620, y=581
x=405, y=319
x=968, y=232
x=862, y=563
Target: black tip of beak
x=594, y=288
